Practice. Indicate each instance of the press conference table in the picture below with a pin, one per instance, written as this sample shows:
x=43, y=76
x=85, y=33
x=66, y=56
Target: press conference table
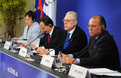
x=13, y=65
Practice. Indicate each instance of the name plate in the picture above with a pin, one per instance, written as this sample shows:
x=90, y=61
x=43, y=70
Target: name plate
x=47, y=61
x=77, y=71
x=7, y=45
x=23, y=52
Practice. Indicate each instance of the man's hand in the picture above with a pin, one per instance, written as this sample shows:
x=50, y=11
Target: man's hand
x=69, y=60
x=15, y=39
x=64, y=55
x=41, y=51
x=24, y=44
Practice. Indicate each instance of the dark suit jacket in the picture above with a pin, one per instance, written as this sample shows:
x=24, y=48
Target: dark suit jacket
x=56, y=35
x=77, y=43
x=104, y=53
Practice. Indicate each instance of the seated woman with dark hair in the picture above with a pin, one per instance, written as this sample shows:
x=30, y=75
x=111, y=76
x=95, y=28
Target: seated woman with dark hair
x=31, y=31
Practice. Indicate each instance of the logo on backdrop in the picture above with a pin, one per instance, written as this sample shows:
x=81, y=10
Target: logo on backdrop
x=12, y=71
x=46, y=2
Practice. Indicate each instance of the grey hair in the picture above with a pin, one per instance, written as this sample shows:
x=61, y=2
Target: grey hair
x=75, y=15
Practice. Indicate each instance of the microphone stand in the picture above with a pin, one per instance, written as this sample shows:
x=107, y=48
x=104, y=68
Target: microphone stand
x=20, y=24
x=5, y=32
x=2, y=34
x=59, y=45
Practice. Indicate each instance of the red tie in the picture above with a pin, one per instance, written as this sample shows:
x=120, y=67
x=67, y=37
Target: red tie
x=94, y=42
x=48, y=38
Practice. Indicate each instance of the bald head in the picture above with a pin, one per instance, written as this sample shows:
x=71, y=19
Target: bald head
x=101, y=19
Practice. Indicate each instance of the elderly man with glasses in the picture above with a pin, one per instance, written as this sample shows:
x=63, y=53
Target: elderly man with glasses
x=77, y=36
x=102, y=50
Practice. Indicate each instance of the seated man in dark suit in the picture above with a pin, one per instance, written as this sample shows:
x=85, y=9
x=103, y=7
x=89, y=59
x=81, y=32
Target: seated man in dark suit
x=77, y=36
x=102, y=50
x=51, y=37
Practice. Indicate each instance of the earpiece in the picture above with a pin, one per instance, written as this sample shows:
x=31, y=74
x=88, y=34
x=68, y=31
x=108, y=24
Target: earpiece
x=50, y=25
x=102, y=29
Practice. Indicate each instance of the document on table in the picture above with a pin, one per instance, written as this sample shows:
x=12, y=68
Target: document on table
x=104, y=71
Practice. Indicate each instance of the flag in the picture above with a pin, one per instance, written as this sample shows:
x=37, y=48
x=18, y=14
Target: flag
x=46, y=7
x=37, y=10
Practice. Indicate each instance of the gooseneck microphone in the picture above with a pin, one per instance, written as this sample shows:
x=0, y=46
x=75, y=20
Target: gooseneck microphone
x=73, y=60
x=59, y=45
x=81, y=54
x=18, y=39
x=64, y=42
x=2, y=34
x=5, y=32
x=21, y=39
x=38, y=37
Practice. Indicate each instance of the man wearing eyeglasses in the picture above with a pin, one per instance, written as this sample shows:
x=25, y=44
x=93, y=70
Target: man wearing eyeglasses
x=102, y=49
x=78, y=38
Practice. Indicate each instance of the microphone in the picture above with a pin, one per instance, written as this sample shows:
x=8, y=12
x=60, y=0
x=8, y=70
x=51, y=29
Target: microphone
x=5, y=32
x=21, y=39
x=82, y=54
x=44, y=32
x=64, y=42
x=78, y=56
x=37, y=37
x=18, y=39
x=60, y=45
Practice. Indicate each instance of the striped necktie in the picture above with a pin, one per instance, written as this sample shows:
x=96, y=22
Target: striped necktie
x=94, y=42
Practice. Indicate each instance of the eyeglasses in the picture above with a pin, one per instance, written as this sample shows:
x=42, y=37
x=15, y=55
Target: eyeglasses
x=93, y=26
x=67, y=20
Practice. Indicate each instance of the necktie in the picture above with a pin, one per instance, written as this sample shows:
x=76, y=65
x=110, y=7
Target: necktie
x=94, y=42
x=66, y=43
x=48, y=38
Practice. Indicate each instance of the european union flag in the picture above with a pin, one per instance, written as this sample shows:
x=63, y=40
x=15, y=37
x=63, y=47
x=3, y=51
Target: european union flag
x=45, y=7
x=37, y=10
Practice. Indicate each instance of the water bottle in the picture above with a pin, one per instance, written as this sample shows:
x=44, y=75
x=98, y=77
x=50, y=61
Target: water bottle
x=28, y=51
x=60, y=56
x=61, y=64
x=12, y=43
x=59, y=61
x=28, y=48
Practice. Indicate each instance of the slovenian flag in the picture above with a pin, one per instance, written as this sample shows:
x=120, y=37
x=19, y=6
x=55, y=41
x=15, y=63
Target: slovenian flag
x=45, y=7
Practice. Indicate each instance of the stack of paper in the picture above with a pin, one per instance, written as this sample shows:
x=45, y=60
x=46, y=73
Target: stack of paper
x=104, y=71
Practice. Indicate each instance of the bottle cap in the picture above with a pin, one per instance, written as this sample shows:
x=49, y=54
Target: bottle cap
x=28, y=44
x=60, y=52
x=12, y=38
x=11, y=47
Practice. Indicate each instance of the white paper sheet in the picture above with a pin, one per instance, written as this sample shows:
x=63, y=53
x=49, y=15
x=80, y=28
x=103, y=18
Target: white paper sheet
x=104, y=71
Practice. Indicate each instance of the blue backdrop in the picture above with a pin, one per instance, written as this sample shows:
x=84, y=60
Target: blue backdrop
x=110, y=9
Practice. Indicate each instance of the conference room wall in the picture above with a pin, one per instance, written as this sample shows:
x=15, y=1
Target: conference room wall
x=30, y=6
x=110, y=9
